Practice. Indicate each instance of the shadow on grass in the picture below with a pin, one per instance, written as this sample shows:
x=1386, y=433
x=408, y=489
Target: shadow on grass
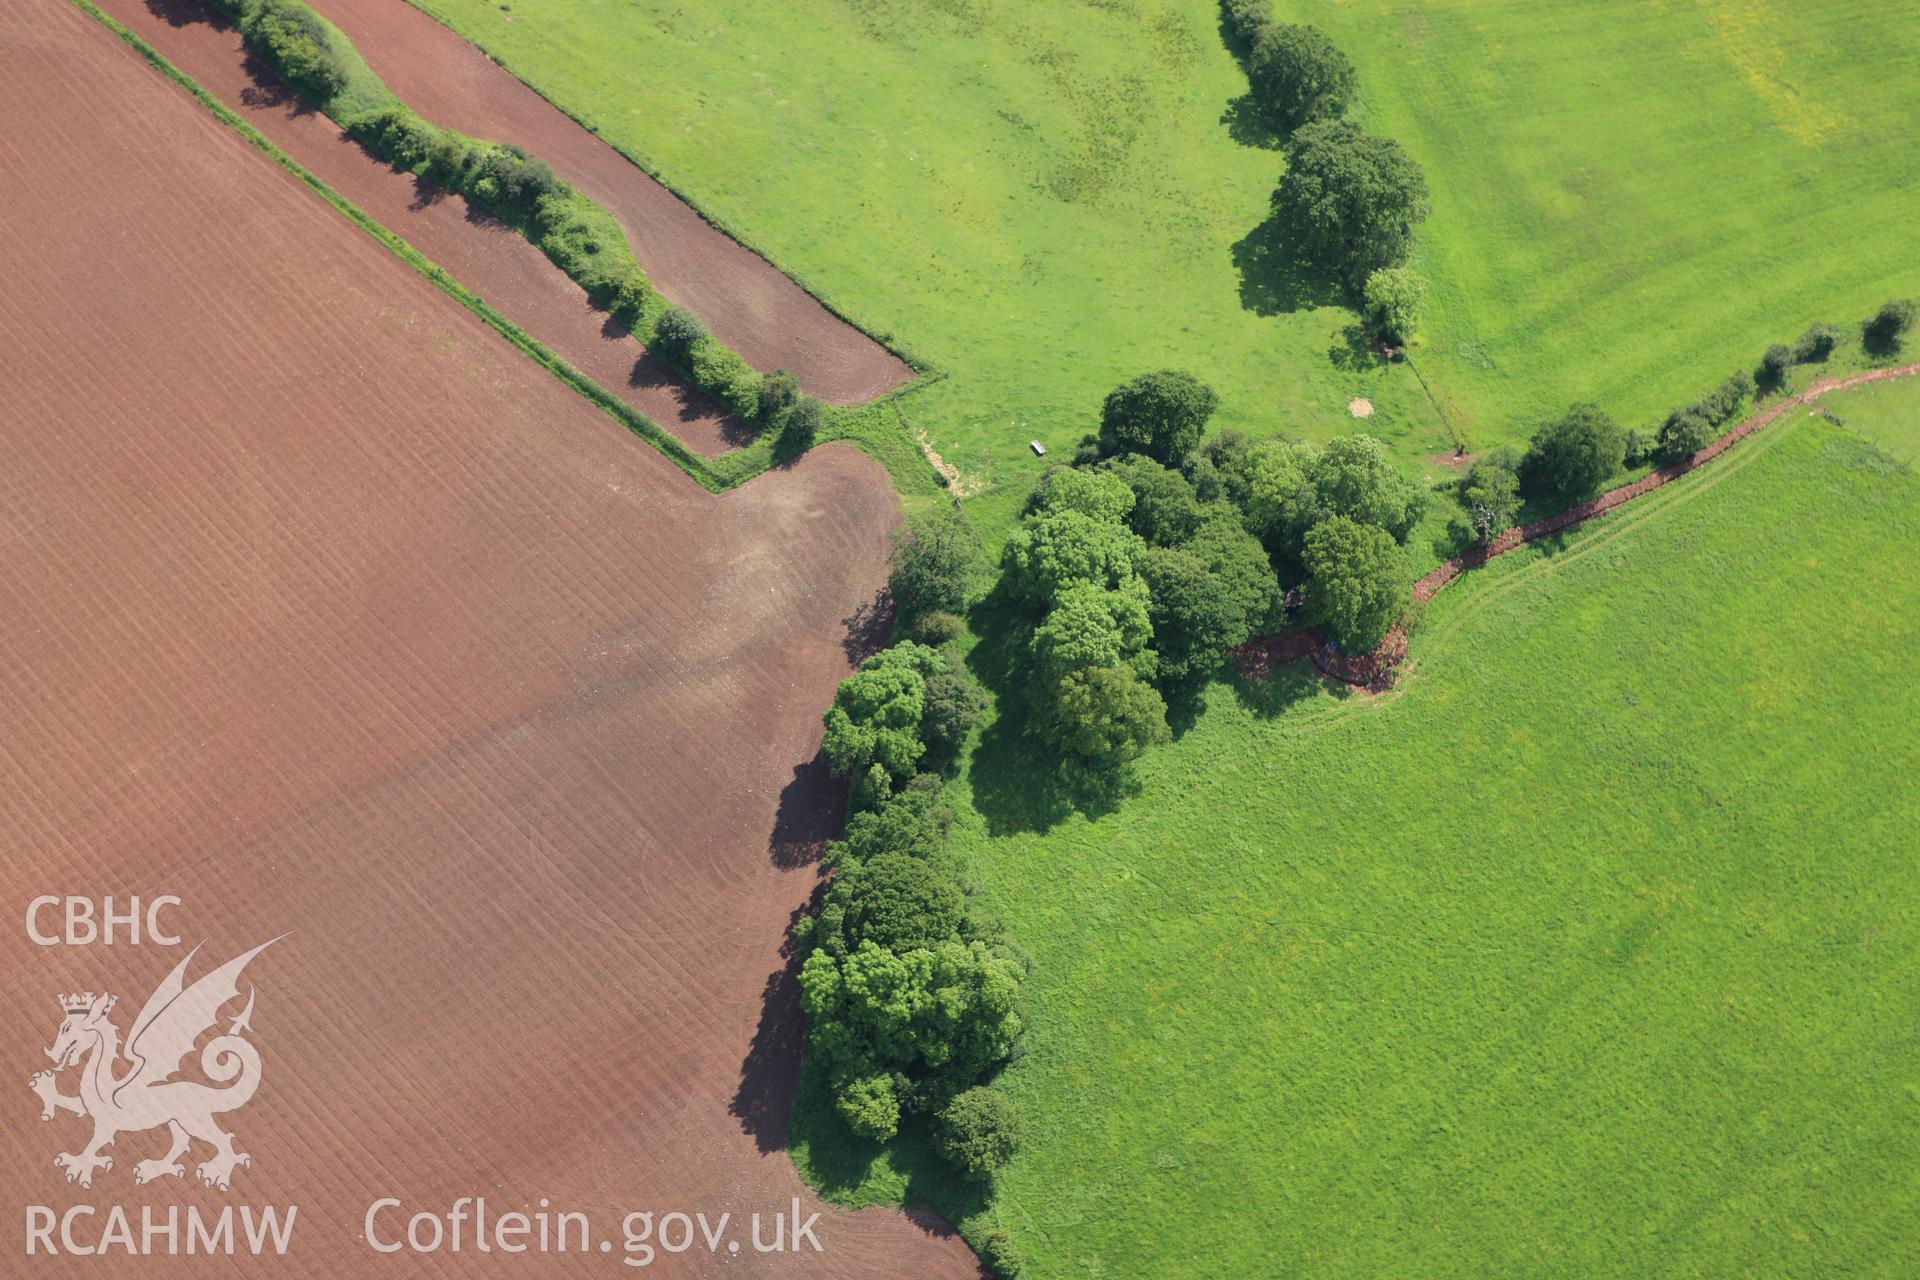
x=1275, y=695
x=1355, y=350
x=1250, y=126
x=1273, y=278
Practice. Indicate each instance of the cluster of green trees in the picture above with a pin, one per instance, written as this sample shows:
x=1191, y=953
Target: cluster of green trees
x=911, y=997
x=1352, y=200
x=1216, y=526
x=580, y=237
x=1331, y=519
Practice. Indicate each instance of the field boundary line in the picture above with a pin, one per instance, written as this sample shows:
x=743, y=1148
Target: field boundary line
x=1601, y=535
x=920, y=364
x=728, y=471
x=1375, y=671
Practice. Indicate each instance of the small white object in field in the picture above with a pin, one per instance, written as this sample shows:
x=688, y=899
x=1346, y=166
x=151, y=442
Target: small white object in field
x=1361, y=407
x=1039, y=450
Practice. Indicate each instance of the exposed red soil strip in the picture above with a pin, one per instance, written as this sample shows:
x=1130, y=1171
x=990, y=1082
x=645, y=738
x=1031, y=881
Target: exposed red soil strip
x=486, y=255
x=747, y=302
x=326, y=610
x=1374, y=671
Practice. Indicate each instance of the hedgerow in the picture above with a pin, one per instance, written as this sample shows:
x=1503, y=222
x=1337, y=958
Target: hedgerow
x=577, y=235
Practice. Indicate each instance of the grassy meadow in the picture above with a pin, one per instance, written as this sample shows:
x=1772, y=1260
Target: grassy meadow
x=1630, y=199
x=1592, y=950
x=1042, y=199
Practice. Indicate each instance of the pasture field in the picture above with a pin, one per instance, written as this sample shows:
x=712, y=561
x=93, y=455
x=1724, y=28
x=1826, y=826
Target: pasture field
x=1630, y=199
x=1886, y=413
x=1040, y=198
x=1591, y=950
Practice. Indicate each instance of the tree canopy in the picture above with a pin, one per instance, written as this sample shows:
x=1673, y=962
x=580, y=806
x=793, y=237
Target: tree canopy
x=1352, y=199
x=934, y=559
x=1159, y=414
x=980, y=1131
x=1056, y=549
x=893, y=900
x=1572, y=455
x=1356, y=583
x=1394, y=298
x=876, y=713
x=1354, y=476
x=1165, y=508
x=1298, y=75
x=1092, y=626
x=1490, y=491
x=1105, y=716
x=938, y=1017
x=1099, y=494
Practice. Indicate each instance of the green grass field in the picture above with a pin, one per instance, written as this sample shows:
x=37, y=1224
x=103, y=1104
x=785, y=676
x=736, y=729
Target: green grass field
x=1630, y=199
x=1040, y=198
x=1887, y=413
x=1592, y=950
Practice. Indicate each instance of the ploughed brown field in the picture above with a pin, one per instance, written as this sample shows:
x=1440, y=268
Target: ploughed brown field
x=326, y=611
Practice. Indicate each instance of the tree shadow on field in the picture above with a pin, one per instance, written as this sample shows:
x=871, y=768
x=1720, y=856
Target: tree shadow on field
x=1019, y=783
x=839, y=1162
x=1250, y=126
x=770, y=1073
x=812, y=811
x=1277, y=693
x=269, y=92
x=691, y=403
x=868, y=627
x=1273, y=278
x=189, y=13
x=426, y=192
x=1355, y=350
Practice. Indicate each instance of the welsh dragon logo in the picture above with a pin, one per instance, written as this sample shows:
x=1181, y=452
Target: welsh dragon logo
x=144, y=1095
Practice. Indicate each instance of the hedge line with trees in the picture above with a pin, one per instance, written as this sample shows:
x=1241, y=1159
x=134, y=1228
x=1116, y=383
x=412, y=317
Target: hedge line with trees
x=911, y=997
x=1350, y=200
x=1571, y=457
x=577, y=235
